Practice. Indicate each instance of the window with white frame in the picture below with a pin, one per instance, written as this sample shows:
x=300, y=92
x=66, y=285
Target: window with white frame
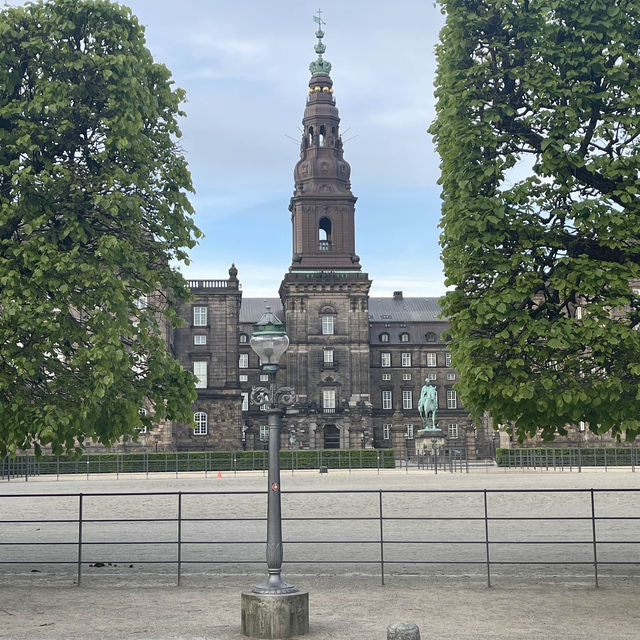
x=451, y=376
x=387, y=400
x=406, y=376
x=406, y=360
x=243, y=362
x=385, y=359
x=432, y=376
x=447, y=359
x=432, y=360
x=201, y=428
x=404, y=337
x=199, y=339
x=244, y=338
x=244, y=377
x=199, y=316
x=328, y=398
x=200, y=372
x=453, y=431
x=141, y=302
x=578, y=313
x=386, y=431
x=452, y=399
x=143, y=412
x=245, y=401
x=327, y=356
x=386, y=376
x=384, y=337
x=407, y=399
x=582, y=426
x=264, y=377
x=264, y=432
x=408, y=431
x=327, y=325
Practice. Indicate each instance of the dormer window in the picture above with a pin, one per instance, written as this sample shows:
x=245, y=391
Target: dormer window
x=384, y=337
x=430, y=337
x=244, y=338
x=404, y=337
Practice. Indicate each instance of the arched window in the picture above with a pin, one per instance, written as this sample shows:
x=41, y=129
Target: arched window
x=404, y=337
x=244, y=338
x=323, y=133
x=384, y=337
x=324, y=234
x=201, y=420
x=430, y=337
x=310, y=135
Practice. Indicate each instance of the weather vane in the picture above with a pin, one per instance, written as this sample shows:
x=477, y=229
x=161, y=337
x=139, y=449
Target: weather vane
x=319, y=19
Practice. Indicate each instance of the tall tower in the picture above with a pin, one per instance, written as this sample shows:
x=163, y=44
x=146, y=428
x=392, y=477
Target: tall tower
x=325, y=293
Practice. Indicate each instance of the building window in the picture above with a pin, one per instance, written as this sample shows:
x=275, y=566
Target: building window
x=406, y=376
x=243, y=363
x=432, y=376
x=407, y=399
x=245, y=401
x=386, y=376
x=386, y=431
x=264, y=432
x=143, y=412
x=244, y=338
x=200, y=372
x=384, y=337
x=264, y=377
x=404, y=337
x=385, y=359
x=199, y=339
x=201, y=428
x=451, y=376
x=327, y=356
x=141, y=302
x=430, y=337
x=447, y=359
x=453, y=431
x=406, y=359
x=387, y=400
x=408, y=431
x=582, y=426
x=244, y=377
x=199, y=316
x=432, y=360
x=329, y=399
x=327, y=325
x=452, y=399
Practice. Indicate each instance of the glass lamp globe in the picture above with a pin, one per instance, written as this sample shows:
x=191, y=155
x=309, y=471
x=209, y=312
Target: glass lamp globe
x=269, y=340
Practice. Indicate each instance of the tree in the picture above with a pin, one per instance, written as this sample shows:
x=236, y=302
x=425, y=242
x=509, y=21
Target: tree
x=537, y=127
x=93, y=209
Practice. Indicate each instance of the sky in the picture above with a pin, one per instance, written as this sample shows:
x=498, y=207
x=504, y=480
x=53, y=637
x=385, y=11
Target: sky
x=245, y=68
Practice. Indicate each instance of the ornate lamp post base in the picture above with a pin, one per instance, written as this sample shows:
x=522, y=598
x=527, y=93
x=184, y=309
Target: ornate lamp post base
x=281, y=615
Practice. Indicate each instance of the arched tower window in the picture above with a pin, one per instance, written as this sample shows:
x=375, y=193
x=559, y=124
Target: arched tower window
x=310, y=135
x=324, y=234
x=323, y=133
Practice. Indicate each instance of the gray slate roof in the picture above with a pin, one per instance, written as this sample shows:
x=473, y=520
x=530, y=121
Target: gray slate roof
x=380, y=309
x=404, y=309
x=252, y=309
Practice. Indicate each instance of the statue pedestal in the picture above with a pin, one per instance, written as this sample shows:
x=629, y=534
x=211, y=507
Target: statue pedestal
x=426, y=438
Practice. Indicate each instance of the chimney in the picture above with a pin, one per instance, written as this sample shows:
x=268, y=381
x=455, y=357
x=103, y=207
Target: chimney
x=397, y=295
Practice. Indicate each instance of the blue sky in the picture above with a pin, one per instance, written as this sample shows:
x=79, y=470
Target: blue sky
x=244, y=67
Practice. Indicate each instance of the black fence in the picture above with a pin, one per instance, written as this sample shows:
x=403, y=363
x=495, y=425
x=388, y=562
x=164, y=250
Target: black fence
x=568, y=458
x=396, y=531
x=25, y=466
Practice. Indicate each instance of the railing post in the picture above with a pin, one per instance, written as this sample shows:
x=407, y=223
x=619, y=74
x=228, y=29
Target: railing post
x=381, y=537
x=179, y=537
x=579, y=460
x=486, y=537
x=378, y=456
x=79, y=538
x=595, y=540
x=605, y=459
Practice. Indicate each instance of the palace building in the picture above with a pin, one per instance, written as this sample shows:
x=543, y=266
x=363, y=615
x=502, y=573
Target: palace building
x=357, y=362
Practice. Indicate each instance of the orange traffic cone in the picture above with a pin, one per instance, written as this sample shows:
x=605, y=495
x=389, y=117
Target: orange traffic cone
x=219, y=474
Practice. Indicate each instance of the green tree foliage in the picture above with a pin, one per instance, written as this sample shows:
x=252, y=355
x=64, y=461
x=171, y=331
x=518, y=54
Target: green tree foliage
x=538, y=129
x=93, y=208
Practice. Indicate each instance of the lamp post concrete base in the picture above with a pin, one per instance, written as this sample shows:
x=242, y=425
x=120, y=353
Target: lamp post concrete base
x=275, y=615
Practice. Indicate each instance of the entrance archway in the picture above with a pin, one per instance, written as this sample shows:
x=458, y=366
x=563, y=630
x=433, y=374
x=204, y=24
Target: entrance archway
x=331, y=436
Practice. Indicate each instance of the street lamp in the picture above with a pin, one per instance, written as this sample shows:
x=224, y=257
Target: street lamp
x=269, y=341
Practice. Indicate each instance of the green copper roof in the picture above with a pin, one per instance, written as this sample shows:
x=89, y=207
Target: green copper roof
x=320, y=65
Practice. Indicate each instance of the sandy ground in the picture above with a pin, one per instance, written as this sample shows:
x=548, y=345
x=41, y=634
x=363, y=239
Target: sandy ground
x=353, y=606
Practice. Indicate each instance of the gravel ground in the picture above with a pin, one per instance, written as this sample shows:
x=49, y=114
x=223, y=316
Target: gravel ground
x=443, y=602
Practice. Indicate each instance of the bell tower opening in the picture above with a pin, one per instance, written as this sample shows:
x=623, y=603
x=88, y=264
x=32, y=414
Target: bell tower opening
x=324, y=235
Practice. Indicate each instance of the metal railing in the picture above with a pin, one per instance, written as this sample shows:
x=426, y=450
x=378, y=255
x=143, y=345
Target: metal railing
x=568, y=458
x=383, y=528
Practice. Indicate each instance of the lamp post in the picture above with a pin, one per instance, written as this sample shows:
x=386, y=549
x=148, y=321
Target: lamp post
x=434, y=446
x=269, y=341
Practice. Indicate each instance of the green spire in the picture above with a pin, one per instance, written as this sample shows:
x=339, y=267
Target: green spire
x=320, y=65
